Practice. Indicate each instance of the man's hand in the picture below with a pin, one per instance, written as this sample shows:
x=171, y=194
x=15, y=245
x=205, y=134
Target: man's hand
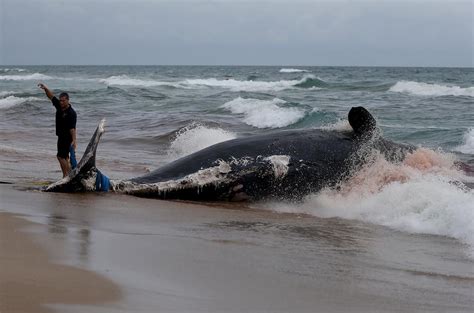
x=48, y=92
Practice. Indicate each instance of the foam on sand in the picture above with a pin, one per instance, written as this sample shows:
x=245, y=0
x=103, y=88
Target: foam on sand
x=424, y=89
x=265, y=113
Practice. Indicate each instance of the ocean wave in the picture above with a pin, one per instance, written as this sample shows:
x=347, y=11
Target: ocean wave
x=421, y=195
x=249, y=85
x=195, y=137
x=35, y=76
x=311, y=82
x=124, y=80
x=6, y=93
x=292, y=70
x=424, y=89
x=12, y=101
x=265, y=113
x=6, y=70
x=468, y=146
x=307, y=81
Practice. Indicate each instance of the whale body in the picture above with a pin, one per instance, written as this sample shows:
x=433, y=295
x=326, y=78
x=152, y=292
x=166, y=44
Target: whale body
x=286, y=164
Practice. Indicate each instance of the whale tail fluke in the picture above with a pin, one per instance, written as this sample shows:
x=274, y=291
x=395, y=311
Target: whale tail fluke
x=83, y=177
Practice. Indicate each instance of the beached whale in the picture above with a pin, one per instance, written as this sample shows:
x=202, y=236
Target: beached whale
x=284, y=165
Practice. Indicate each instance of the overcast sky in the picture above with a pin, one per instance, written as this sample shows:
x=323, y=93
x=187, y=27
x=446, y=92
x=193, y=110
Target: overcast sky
x=226, y=32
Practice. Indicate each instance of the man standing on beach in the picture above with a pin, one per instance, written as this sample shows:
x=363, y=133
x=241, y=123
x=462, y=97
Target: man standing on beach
x=65, y=127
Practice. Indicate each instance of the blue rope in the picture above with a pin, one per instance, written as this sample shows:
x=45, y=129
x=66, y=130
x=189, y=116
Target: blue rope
x=72, y=158
x=102, y=182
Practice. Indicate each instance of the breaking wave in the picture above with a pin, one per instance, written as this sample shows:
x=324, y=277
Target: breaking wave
x=424, y=89
x=265, y=113
x=468, y=146
x=195, y=137
x=12, y=101
x=424, y=194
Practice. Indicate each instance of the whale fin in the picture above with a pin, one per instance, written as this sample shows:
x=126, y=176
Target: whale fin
x=80, y=178
x=361, y=121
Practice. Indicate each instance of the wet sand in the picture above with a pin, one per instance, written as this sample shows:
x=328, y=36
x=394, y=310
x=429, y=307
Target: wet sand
x=116, y=253
x=29, y=280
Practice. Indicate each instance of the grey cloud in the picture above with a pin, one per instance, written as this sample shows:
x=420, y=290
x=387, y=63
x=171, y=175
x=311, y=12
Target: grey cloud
x=417, y=33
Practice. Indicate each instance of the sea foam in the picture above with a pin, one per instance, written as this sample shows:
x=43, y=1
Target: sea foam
x=339, y=125
x=421, y=195
x=468, y=146
x=265, y=113
x=424, y=89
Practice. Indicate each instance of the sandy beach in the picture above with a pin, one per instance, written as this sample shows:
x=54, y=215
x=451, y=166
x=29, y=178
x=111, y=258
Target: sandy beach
x=113, y=253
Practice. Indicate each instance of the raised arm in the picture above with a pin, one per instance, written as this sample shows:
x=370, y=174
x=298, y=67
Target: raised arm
x=46, y=90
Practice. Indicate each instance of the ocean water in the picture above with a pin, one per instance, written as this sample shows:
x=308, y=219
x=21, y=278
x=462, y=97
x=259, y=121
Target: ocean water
x=156, y=114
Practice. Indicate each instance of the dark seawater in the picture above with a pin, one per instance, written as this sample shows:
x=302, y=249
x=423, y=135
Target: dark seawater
x=156, y=114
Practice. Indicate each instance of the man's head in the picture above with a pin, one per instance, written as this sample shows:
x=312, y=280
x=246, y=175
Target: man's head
x=361, y=120
x=64, y=100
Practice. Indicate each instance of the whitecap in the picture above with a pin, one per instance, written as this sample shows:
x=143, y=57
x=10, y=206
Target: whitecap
x=124, y=80
x=292, y=70
x=35, y=76
x=231, y=84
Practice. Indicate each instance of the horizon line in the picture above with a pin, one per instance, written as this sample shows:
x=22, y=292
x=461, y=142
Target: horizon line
x=247, y=65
